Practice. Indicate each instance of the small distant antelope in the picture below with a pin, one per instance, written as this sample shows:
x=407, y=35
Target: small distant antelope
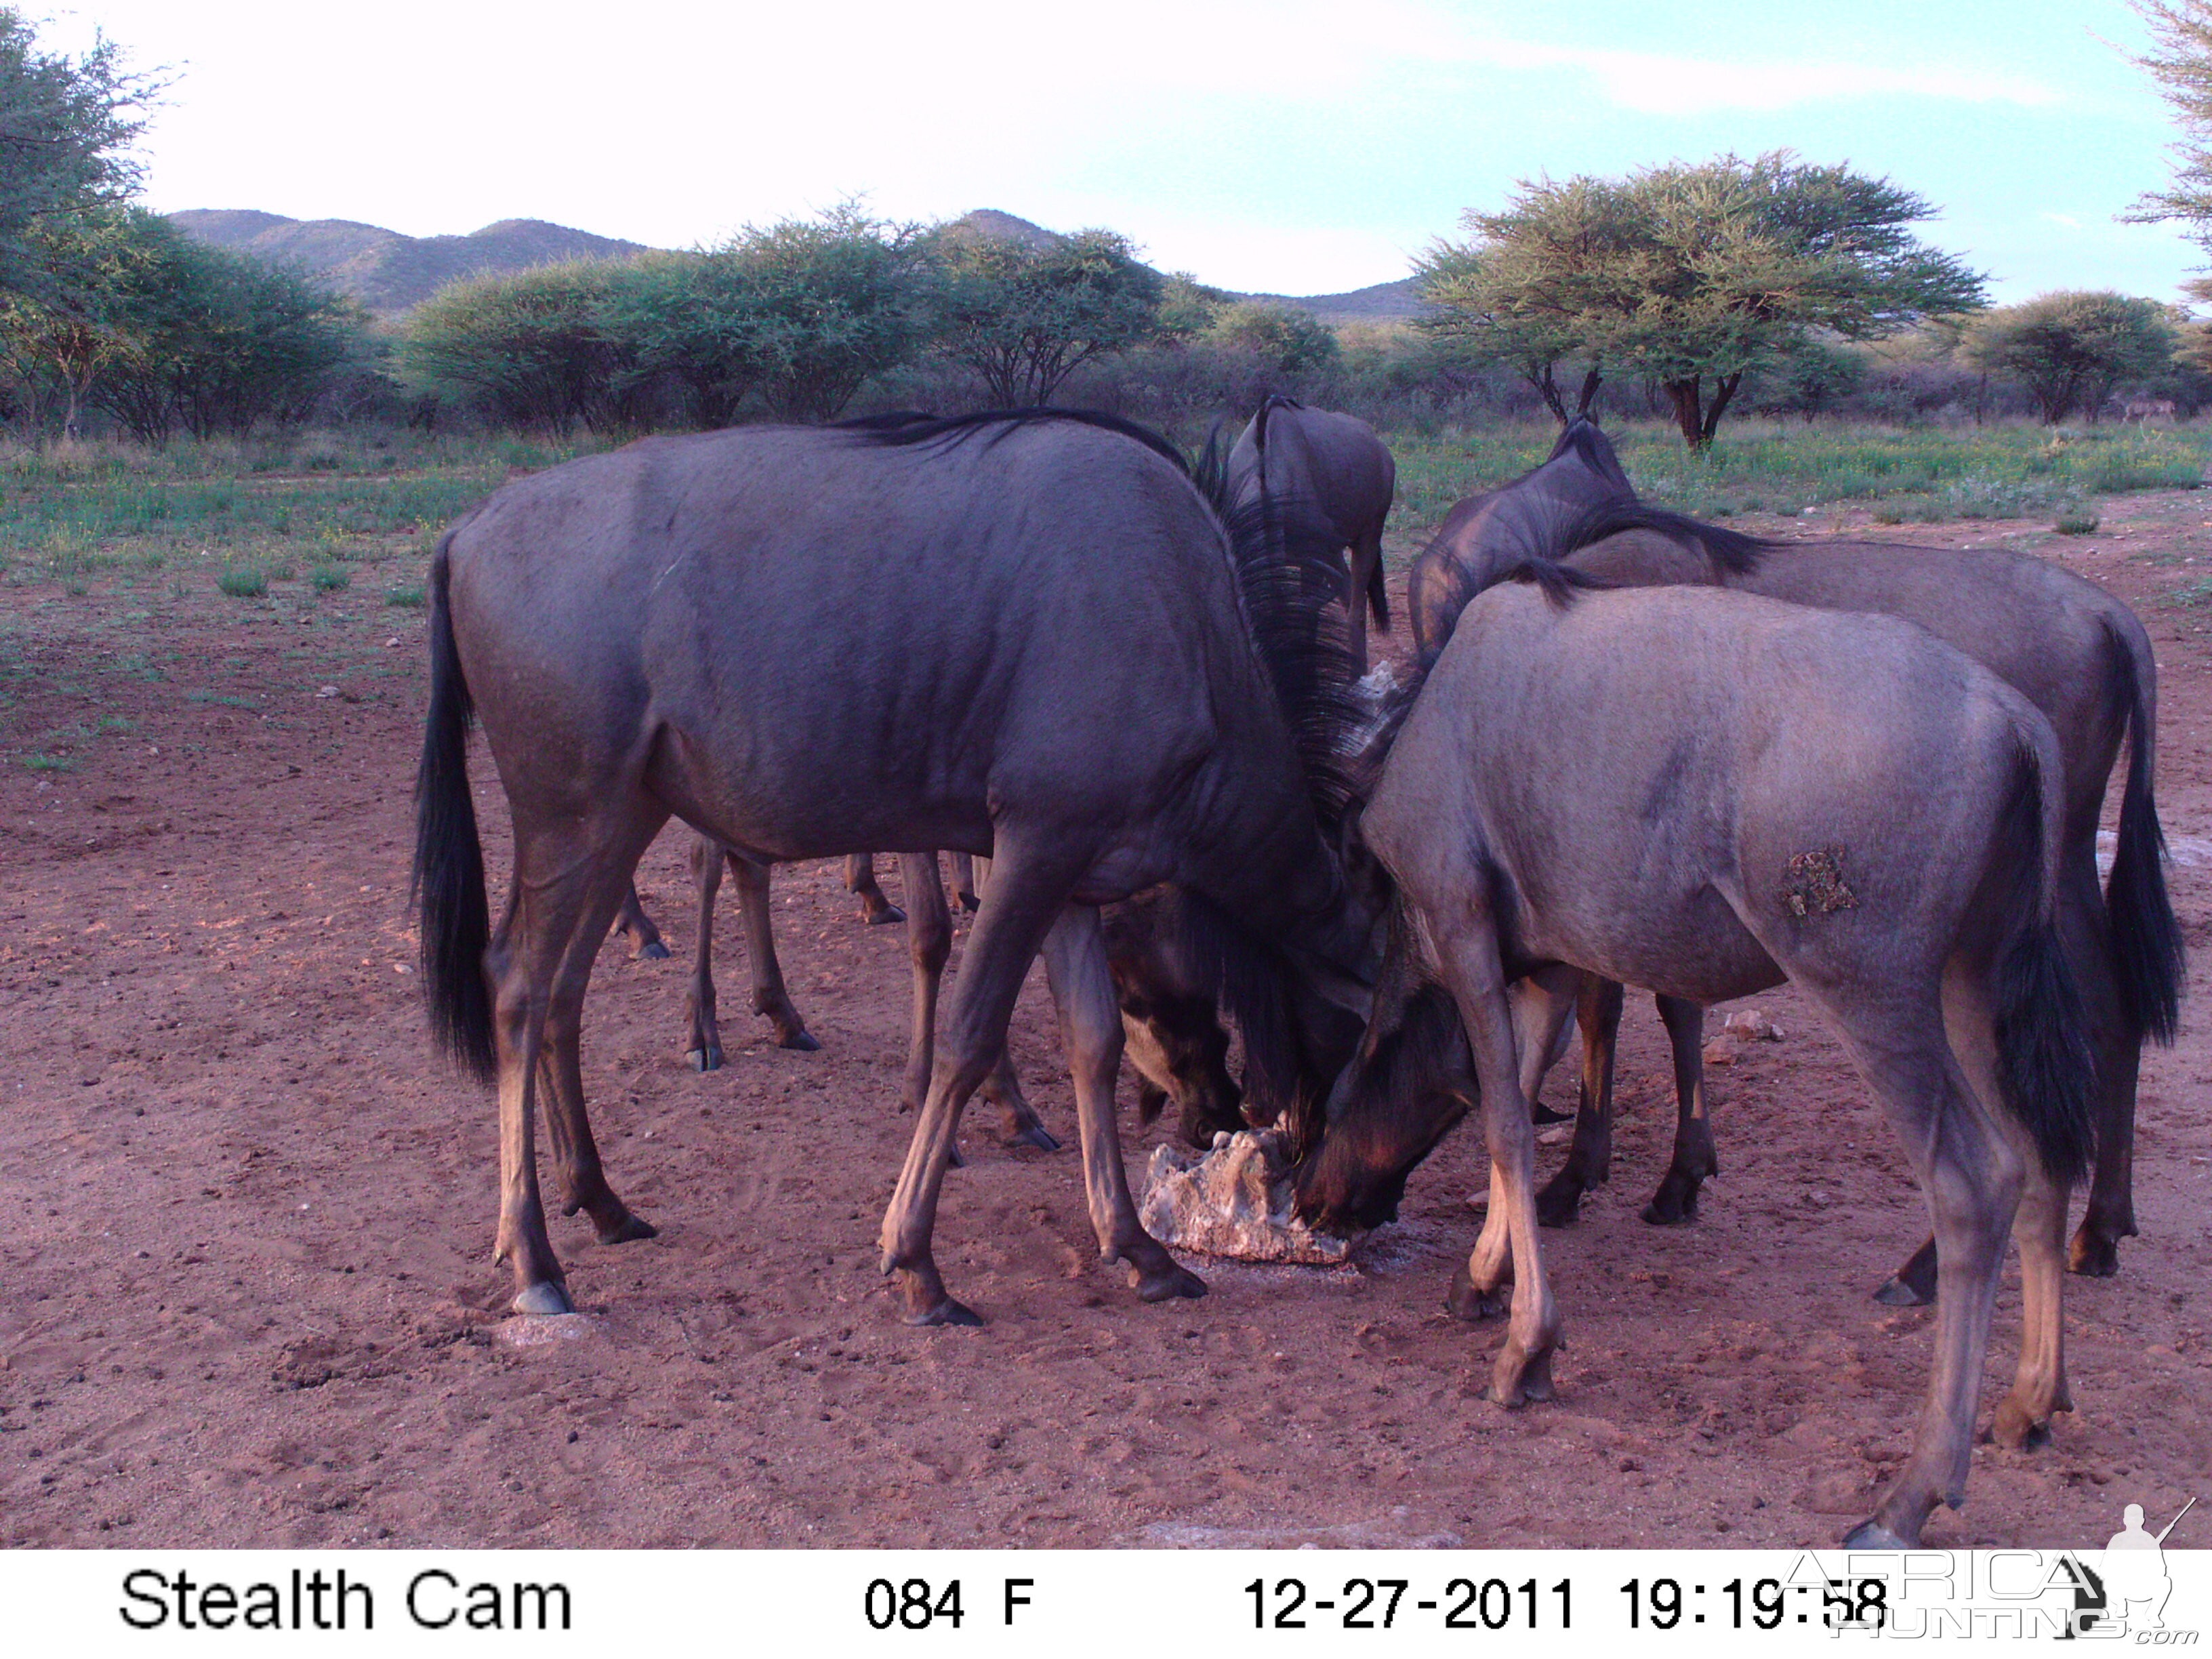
x=2147, y=409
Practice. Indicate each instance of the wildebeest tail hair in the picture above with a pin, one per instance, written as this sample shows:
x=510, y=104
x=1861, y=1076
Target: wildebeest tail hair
x=2147, y=949
x=2045, y=1068
x=449, y=872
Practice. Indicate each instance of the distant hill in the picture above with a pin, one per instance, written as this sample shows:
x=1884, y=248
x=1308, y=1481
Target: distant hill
x=391, y=273
x=1380, y=302
x=388, y=272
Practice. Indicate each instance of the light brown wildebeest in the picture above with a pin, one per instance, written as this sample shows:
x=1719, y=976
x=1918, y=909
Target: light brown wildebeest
x=2076, y=653
x=1706, y=792
x=1334, y=464
x=1056, y=652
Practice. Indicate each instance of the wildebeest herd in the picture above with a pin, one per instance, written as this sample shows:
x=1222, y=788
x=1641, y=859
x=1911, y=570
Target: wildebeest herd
x=1635, y=750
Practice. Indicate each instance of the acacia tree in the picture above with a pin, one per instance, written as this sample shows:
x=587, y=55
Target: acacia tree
x=2071, y=349
x=2181, y=63
x=1024, y=318
x=1690, y=276
x=66, y=125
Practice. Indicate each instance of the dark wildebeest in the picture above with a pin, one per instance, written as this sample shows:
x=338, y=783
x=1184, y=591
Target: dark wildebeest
x=2078, y=654
x=1704, y=793
x=1335, y=465
x=1055, y=652
x=645, y=940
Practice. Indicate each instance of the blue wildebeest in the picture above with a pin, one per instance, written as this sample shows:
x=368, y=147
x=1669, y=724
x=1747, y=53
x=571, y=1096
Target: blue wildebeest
x=1704, y=793
x=1028, y=635
x=2081, y=657
x=1335, y=465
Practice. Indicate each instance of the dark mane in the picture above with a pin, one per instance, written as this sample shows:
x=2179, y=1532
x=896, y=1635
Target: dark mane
x=1284, y=557
x=1731, y=550
x=901, y=430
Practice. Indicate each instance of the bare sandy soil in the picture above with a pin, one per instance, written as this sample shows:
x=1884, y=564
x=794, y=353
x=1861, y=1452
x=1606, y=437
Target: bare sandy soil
x=246, y=1296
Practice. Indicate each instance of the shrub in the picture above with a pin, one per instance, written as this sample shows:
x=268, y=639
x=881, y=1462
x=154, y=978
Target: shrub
x=243, y=582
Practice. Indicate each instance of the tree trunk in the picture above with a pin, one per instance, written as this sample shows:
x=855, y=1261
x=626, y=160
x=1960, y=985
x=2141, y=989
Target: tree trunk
x=1539, y=375
x=1724, y=391
x=1591, y=382
x=1687, y=397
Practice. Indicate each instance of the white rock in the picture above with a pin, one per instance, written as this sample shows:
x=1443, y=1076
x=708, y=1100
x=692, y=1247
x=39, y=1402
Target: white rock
x=1232, y=1202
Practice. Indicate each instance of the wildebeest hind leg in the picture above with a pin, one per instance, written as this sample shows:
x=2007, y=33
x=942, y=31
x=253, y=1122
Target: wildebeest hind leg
x=645, y=940
x=704, y=1047
x=2038, y=1389
x=1027, y=894
x=567, y=890
x=1971, y=1175
x=1091, y=1030
x=769, y=997
x=1676, y=1201
x=2085, y=930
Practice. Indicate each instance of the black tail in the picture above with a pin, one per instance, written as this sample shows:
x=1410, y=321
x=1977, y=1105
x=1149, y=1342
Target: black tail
x=449, y=876
x=2146, y=951
x=2045, y=1066
x=1378, y=597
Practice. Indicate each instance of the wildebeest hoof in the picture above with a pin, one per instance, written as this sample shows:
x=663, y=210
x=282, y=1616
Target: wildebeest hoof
x=1518, y=1377
x=1896, y=1293
x=545, y=1297
x=1675, y=1203
x=1873, y=1535
x=955, y=1158
x=883, y=917
x=970, y=904
x=946, y=1311
x=2093, y=1256
x=1165, y=1283
x=802, y=1040
x=704, y=1059
x=1558, y=1207
x=1037, y=1135
x=625, y=1227
x=1464, y=1301
x=1540, y=1113
x=651, y=950
x=2015, y=1430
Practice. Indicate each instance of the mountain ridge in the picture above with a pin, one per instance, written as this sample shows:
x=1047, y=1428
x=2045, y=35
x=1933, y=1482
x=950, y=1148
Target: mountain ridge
x=389, y=273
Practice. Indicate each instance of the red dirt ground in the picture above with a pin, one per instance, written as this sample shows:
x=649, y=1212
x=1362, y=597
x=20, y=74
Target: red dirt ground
x=246, y=1298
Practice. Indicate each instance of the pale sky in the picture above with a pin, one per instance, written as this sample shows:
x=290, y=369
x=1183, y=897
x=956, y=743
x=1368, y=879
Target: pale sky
x=1278, y=145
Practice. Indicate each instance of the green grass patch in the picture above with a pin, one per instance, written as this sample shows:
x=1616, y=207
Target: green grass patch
x=411, y=598
x=39, y=761
x=245, y=582
x=330, y=578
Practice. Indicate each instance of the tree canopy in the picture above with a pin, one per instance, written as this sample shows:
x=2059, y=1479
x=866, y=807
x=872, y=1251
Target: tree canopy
x=2181, y=63
x=1024, y=318
x=66, y=125
x=2072, y=349
x=1690, y=274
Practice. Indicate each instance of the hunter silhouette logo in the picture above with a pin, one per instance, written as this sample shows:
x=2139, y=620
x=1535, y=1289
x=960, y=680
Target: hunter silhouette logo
x=2136, y=1583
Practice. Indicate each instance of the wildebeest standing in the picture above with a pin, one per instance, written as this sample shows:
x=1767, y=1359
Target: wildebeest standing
x=1335, y=465
x=1703, y=792
x=1025, y=636
x=2081, y=657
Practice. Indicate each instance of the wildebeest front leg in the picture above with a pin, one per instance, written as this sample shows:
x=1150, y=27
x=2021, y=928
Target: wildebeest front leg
x=963, y=882
x=1091, y=1030
x=1467, y=961
x=644, y=937
x=704, y=1048
x=1676, y=1201
x=1026, y=897
x=1589, y=1160
x=860, y=879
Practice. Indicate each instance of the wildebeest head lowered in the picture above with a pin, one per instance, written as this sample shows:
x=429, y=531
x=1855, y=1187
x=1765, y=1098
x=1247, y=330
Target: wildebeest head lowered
x=1703, y=792
x=1026, y=635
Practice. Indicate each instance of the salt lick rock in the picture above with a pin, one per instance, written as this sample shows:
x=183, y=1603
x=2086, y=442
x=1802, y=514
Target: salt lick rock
x=1234, y=1200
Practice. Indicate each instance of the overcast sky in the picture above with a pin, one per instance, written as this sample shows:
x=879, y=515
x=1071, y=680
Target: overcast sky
x=1262, y=144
